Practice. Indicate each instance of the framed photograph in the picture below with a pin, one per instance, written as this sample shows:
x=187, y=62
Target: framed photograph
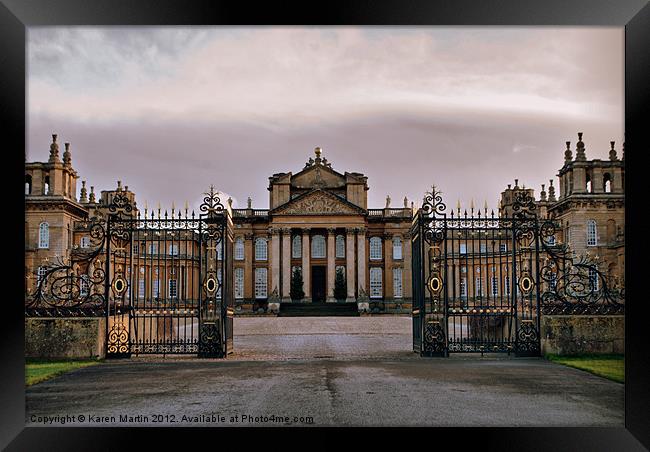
x=382, y=215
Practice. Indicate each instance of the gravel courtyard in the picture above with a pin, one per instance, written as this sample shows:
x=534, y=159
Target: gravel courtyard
x=327, y=371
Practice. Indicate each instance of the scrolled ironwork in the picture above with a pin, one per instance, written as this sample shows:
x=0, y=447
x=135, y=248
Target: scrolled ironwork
x=575, y=284
x=211, y=205
x=524, y=205
x=433, y=203
x=72, y=286
x=434, y=338
x=527, y=338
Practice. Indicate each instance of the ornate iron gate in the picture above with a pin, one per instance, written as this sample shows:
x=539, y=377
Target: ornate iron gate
x=169, y=280
x=476, y=280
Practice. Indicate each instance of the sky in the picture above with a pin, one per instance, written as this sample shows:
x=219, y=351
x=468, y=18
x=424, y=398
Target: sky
x=171, y=110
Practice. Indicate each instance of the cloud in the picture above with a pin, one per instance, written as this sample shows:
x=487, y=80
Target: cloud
x=173, y=109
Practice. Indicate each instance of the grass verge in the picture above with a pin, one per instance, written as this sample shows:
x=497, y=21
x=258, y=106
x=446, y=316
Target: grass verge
x=37, y=371
x=611, y=367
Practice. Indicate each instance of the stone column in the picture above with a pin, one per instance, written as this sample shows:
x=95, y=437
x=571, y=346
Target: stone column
x=275, y=261
x=286, y=265
x=361, y=260
x=407, y=290
x=306, y=274
x=249, y=282
x=388, y=267
x=349, y=263
x=331, y=264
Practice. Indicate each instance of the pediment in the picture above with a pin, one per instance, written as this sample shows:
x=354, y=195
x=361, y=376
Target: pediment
x=317, y=202
x=318, y=176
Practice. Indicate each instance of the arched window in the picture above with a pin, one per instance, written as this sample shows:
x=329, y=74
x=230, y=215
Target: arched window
x=239, y=283
x=375, y=248
x=592, y=235
x=239, y=249
x=46, y=185
x=397, y=248
x=318, y=246
x=340, y=246
x=261, y=251
x=397, y=283
x=375, y=282
x=260, y=283
x=28, y=184
x=296, y=247
x=44, y=235
x=588, y=187
x=607, y=183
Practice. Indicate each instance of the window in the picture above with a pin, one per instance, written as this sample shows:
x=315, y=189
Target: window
x=261, y=251
x=503, y=247
x=153, y=248
x=156, y=288
x=375, y=282
x=141, y=288
x=28, y=184
x=593, y=280
x=296, y=247
x=483, y=247
x=397, y=282
x=239, y=283
x=375, y=248
x=553, y=281
x=607, y=183
x=85, y=241
x=340, y=246
x=318, y=246
x=478, y=288
x=495, y=286
x=592, y=236
x=219, y=246
x=397, y=248
x=44, y=235
x=463, y=269
x=239, y=249
x=507, y=281
x=84, y=286
x=463, y=248
x=173, y=288
x=550, y=240
x=463, y=288
x=260, y=283
x=173, y=249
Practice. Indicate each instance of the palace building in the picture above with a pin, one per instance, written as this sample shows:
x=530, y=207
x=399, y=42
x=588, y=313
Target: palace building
x=318, y=224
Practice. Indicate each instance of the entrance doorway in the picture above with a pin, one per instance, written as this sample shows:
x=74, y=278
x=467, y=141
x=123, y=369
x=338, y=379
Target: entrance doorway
x=318, y=283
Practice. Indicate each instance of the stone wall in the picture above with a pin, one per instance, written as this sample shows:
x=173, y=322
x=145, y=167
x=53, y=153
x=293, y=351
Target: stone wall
x=65, y=337
x=575, y=334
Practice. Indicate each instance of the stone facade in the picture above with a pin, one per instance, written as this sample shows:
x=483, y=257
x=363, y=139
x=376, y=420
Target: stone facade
x=317, y=221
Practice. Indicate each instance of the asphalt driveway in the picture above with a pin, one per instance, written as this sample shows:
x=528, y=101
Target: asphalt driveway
x=350, y=371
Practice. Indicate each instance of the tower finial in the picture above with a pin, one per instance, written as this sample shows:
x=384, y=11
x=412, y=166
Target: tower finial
x=612, y=152
x=54, y=150
x=84, y=195
x=580, y=149
x=568, y=155
x=67, y=156
x=92, y=195
x=551, y=191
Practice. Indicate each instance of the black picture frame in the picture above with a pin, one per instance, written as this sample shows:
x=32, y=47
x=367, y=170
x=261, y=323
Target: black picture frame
x=634, y=15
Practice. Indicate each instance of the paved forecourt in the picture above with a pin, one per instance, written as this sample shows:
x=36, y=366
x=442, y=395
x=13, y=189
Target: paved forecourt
x=327, y=371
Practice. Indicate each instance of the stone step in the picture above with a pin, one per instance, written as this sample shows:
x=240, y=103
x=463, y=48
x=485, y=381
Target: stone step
x=318, y=310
